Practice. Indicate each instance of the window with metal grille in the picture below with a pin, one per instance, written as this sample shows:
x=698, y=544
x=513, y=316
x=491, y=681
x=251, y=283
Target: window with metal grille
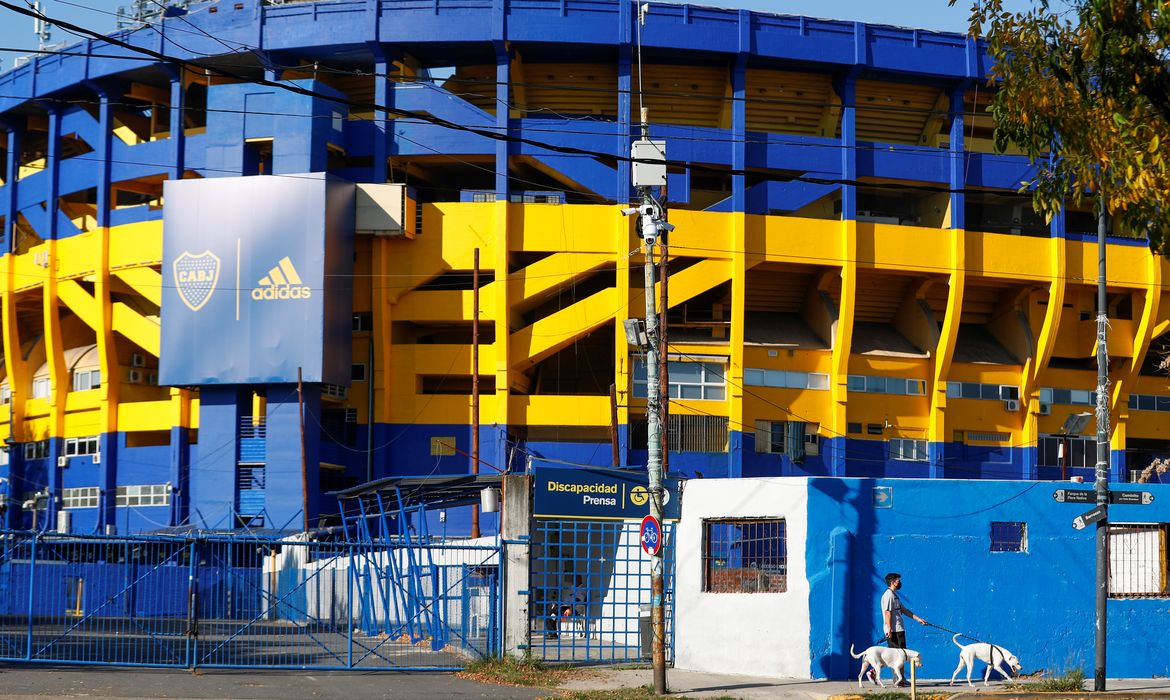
x=687, y=433
x=745, y=556
x=1009, y=536
x=1137, y=560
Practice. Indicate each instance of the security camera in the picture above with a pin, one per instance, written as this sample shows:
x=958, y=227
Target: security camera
x=629, y=211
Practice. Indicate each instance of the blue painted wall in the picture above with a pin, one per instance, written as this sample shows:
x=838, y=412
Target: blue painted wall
x=1038, y=603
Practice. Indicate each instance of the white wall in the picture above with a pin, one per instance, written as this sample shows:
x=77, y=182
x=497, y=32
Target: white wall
x=759, y=634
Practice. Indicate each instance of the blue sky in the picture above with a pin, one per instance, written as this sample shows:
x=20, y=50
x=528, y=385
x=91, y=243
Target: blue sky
x=16, y=30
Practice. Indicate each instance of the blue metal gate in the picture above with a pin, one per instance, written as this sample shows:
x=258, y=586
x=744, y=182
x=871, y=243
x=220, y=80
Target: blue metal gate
x=589, y=591
x=251, y=602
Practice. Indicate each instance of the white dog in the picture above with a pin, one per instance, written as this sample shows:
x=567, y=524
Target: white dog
x=878, y=657
x=991, y=654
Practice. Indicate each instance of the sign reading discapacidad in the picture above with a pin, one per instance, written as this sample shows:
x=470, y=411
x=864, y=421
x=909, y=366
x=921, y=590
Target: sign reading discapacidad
x=601, y=494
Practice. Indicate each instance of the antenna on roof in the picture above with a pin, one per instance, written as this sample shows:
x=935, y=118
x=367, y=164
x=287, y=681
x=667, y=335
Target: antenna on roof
x=41, y=27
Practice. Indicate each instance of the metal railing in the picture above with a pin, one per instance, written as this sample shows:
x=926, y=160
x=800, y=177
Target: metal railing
x=245, y=602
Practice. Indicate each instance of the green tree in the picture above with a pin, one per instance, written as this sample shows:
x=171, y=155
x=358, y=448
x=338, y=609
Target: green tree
x=1083, y=90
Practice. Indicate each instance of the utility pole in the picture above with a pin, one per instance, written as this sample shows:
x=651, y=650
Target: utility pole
x=475, y=384
x=649, y=170
x=1102, y=481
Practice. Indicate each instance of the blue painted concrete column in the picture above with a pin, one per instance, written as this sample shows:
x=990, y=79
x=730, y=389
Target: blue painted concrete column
x=503, y=81
x=847, y=90
x=212, y=492
x=8, y=201
x=739, y=130
x=625, y=84
x=178, y=138
x=383, y=94
x=958, y=158
x=180, y=474
x=53, y=171
x=285, y=490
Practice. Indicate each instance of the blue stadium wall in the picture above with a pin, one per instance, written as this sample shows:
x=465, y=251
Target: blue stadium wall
x=938, y=333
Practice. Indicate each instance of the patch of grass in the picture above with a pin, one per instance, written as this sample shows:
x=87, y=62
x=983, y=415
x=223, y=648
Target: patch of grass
x=1071, y=682
x=527, y=672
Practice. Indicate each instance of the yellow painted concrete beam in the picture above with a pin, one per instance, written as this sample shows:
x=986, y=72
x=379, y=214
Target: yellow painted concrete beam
x=141, y=331
x=945, y=352
x=145, y=281
x=557, y=331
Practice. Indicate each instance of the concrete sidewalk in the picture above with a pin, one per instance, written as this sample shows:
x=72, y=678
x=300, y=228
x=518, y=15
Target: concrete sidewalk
x=699, y=685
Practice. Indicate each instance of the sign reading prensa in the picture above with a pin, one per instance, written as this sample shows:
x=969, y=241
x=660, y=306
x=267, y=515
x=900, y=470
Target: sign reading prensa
x=596, y=493
x=650, y=535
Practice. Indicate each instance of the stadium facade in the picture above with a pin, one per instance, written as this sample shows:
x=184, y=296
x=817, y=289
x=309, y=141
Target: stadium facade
x=855, y=287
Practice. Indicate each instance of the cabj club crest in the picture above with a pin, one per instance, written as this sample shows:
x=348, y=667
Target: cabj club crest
x=195, y=278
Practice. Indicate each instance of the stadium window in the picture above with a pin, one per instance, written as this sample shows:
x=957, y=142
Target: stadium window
x=41, y=388
x=908, y=450
x=1009, y=536
x=699, y=380
x=793, y=438
x=84, y=380
x=1138, y=560
x=143, y=495
x=75, y=447
x=745, y=556
x=36, y=450
x=82, y=497
x=357, y=372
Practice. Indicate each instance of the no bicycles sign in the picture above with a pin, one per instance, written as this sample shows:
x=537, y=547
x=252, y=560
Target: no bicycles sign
x=650, y=535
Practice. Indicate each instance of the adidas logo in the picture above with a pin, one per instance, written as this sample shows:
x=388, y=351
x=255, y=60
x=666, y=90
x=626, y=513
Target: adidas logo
x=281, y=282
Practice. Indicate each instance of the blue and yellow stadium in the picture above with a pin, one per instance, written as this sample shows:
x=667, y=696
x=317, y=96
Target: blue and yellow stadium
x=240, y=244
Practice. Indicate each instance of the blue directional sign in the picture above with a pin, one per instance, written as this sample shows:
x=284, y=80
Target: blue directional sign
x=883, y=496
x=650, y=536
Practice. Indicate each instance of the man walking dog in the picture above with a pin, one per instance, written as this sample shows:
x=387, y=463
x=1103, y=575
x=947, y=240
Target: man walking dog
x=892, y=610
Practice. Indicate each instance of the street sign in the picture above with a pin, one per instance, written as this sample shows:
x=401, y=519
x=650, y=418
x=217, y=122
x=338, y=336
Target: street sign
x=883, y=496
x=1088, y=518
x=1075, y=495
x=650, y=535
x=1136, y=498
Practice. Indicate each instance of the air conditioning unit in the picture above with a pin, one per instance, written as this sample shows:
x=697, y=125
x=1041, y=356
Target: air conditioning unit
x=1045, y=409
x=135, y=376
x=62, y=461
x=97, y=457
x=137, y=359
x=64, y=521
x=1011, y=405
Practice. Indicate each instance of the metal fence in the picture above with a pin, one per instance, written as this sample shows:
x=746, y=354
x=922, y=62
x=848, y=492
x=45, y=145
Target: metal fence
x=589, y=591
x=246, y=602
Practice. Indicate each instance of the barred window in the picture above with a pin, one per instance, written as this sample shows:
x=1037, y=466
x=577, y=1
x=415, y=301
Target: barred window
x=1009, y=537
x=83, y=497
x=144, y=495
x=687, y=433
x=1137, y=561
x=745, y=556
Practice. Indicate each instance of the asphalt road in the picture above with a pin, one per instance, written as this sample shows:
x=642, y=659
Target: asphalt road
x=109, y=682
